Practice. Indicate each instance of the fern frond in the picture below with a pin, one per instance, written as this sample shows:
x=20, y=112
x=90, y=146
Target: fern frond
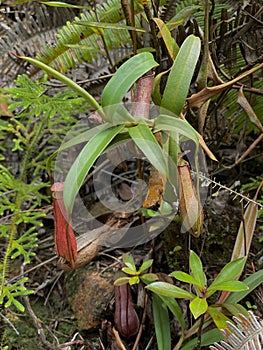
x=241, y=40
x=24, y=29
x=246, y=334
x=168, y=10
x=234, y=193
x=77, y=43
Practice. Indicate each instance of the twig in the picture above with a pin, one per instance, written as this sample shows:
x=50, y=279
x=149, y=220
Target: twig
x=9, y=322
x=250, y=148
x=129, y=17
x=37, y=321
x=153, y=32
x=102, y=37
x=149, y=343
x=118, y=339
x=141, y=325
x=32, y=269
x=73, y=342
x=199, y=333
x=51, y=289
x=37, y=324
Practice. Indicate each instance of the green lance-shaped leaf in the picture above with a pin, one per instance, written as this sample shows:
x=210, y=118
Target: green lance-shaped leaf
x=102, y=25
x=168, y=123
x=229, y=272
x=182, y=16
x=198, y=306
x=117, y=114
x=129, y=261
x=235, y=309
x=169, y=41
x=84, y=162
x=84, y=136
x=185, y=277
x=181, y=74
x=169, y=290
x=147, y=143
x=207, y=338
x=145, y=265
x=70, y=83
x=161, y=324
x=76, y=140
x=129, y=271
x=231, y=286
x=125, y=77
x=148, y=278
x=122, y=280
x=196, y=267
x=62, y=4
x=218, y=317
x=156, y=90
x=253, y=281
x=173, y=306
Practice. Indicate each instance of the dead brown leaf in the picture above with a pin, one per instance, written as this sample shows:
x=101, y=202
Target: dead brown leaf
x=198, y=99
x=248, y=109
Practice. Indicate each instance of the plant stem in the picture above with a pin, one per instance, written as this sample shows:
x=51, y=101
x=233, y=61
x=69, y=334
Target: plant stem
x=8, y=250
x=153, y=31
x=199, y=333
x=129, y=17
x=75, y=87
x=102, y=37
x=203, y=72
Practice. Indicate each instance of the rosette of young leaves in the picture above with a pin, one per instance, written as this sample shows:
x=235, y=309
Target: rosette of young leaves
x=160, y=304
x=135, y=275
x=231, y=304
x=198, y=301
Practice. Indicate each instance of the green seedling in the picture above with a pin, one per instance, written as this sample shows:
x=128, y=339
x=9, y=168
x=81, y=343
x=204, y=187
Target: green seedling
x=135, y=275
x=225, y=281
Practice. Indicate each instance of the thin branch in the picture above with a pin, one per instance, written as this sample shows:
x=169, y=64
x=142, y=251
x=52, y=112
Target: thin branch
x=153, y=32
x=37, y=324
x=250, y=148
x=102, y=37
x=9, y=322
x=129, y=17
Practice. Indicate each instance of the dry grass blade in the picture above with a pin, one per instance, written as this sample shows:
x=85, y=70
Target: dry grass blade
x=245, y=232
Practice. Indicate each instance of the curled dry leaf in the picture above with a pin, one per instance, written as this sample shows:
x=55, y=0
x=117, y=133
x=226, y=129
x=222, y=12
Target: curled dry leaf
x=198, y=99
x=246, y=229
x=156, y=183
x=155, y=189
x=125, y=317
x=248, y=109
x=190, y=209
